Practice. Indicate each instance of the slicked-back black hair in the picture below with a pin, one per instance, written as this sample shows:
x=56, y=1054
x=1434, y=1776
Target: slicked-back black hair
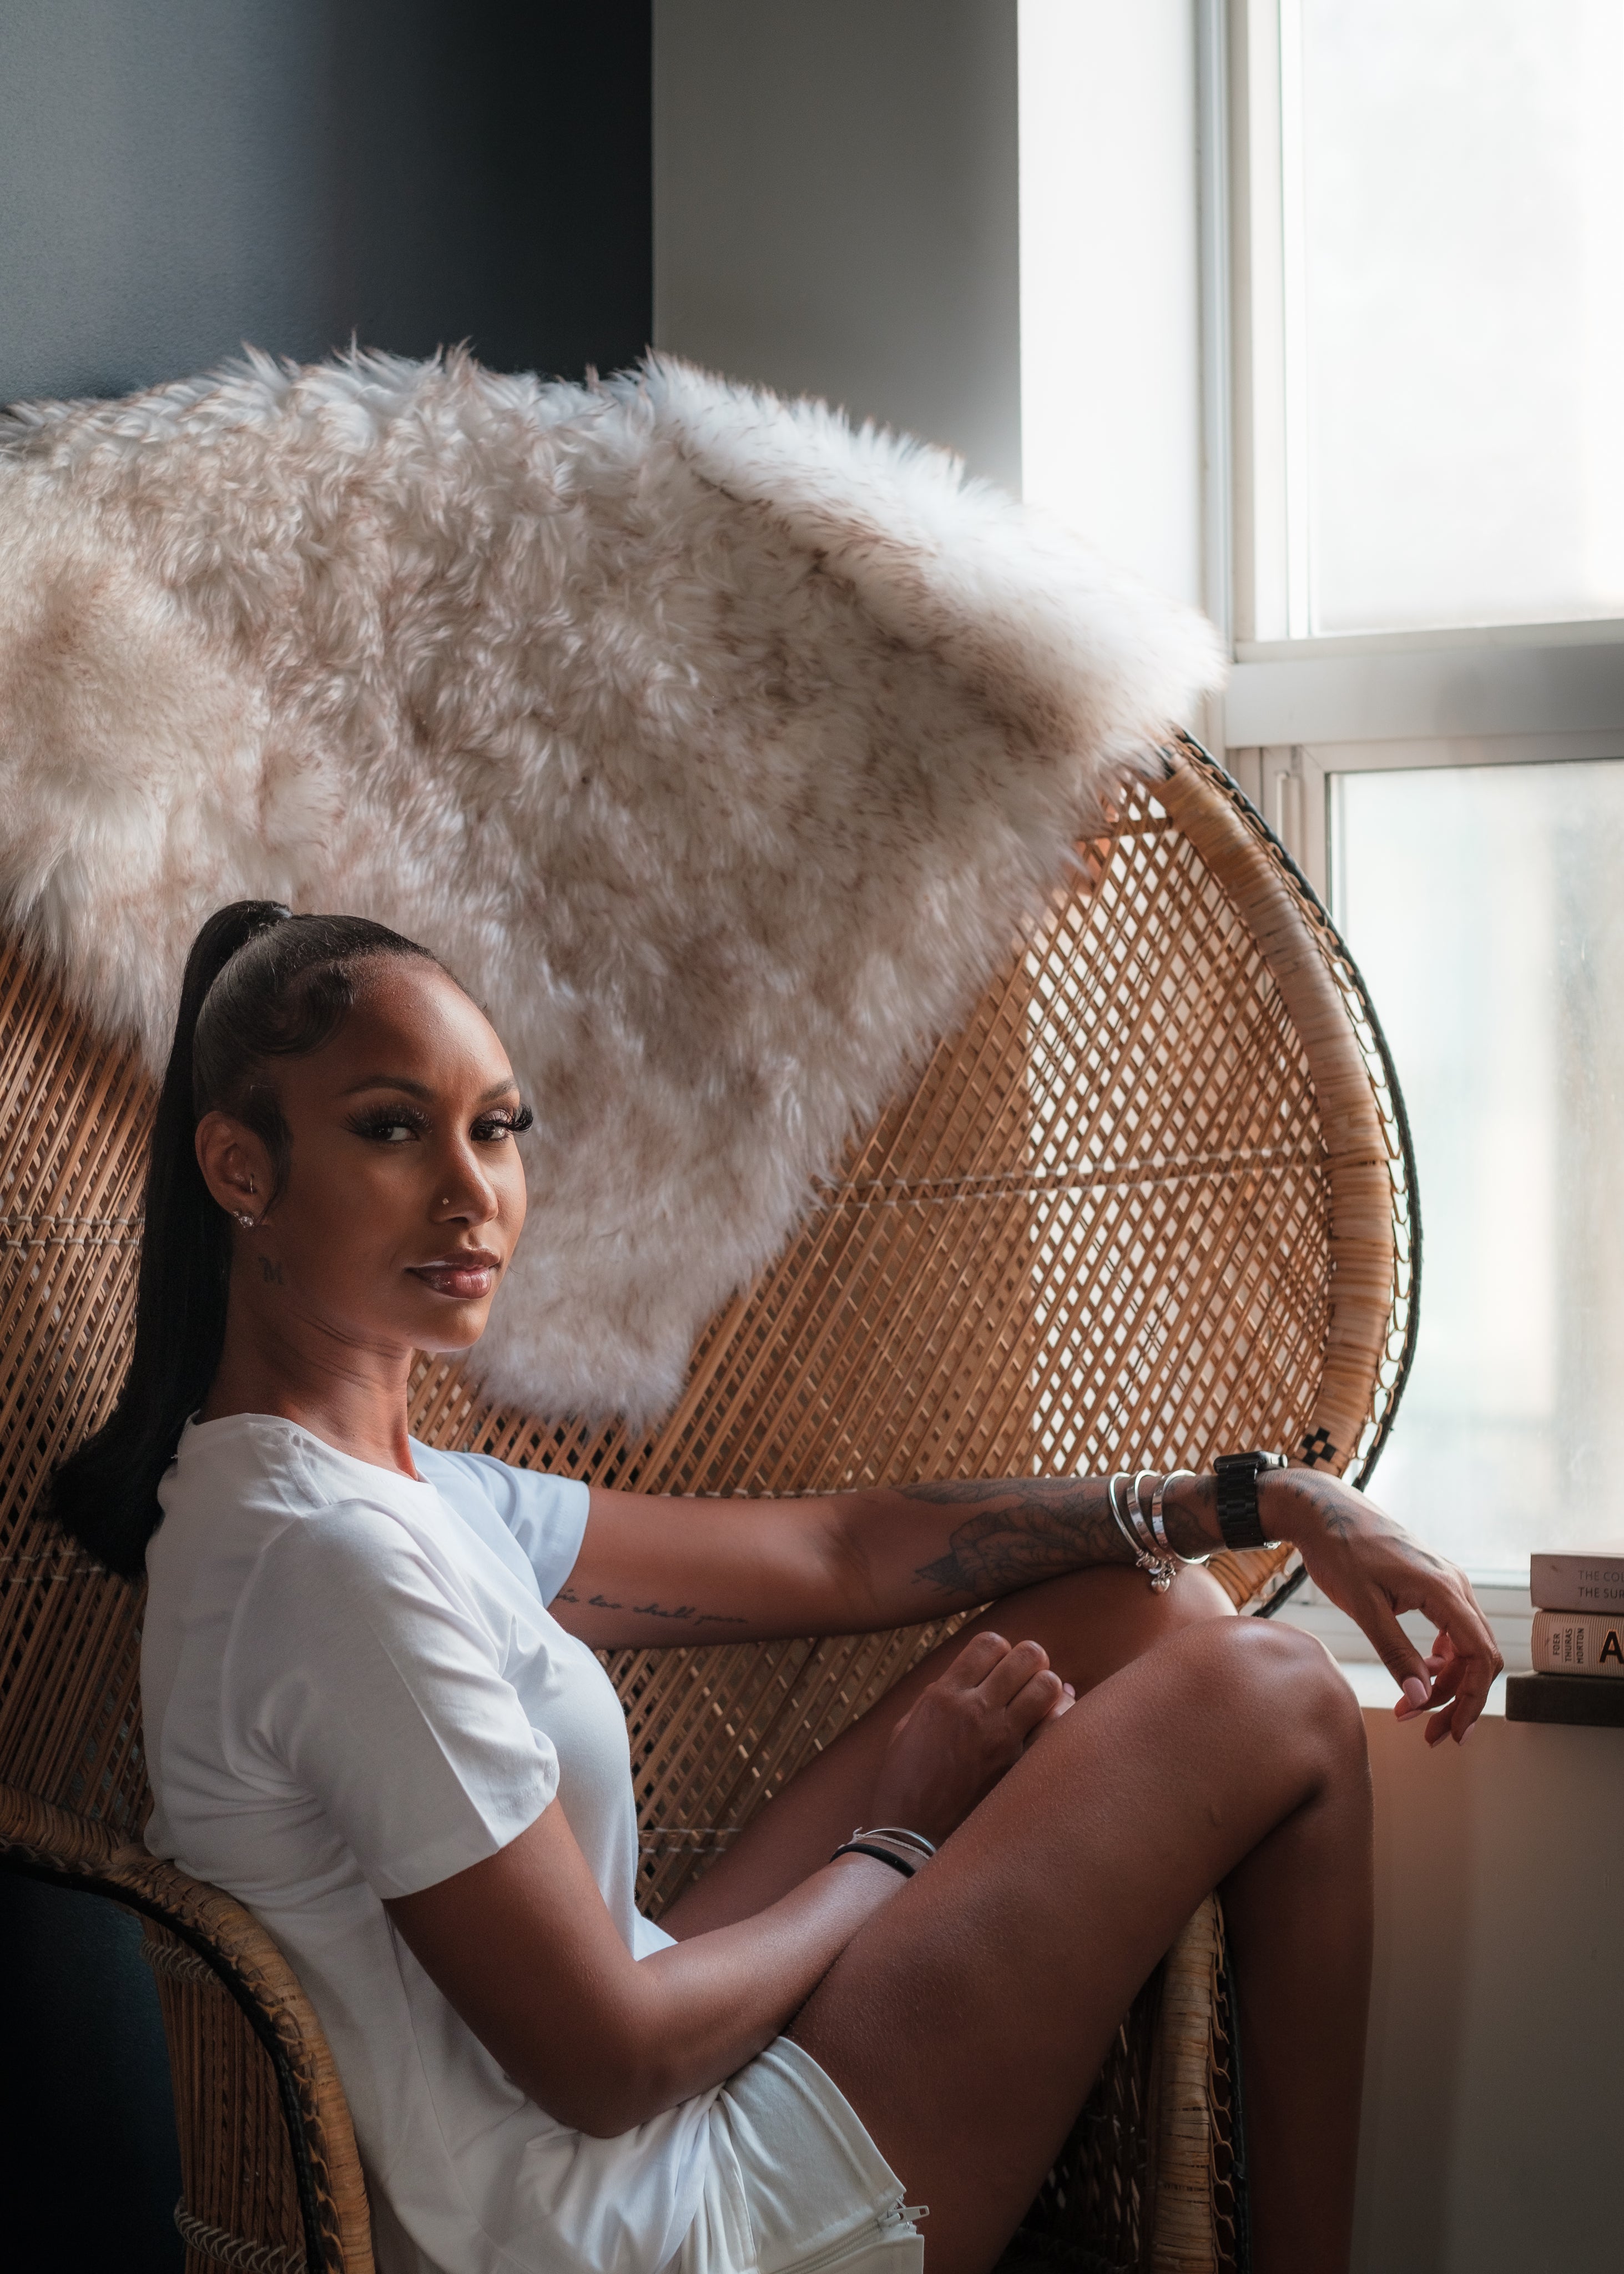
x=260, y=984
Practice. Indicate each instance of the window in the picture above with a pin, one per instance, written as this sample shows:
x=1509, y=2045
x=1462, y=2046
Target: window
x=1414, y=247
x=1482, y=903
x=1454, y=286
x=1399, y=490
x=1438, y=311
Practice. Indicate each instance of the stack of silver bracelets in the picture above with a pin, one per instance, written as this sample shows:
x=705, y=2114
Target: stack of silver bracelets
x=1154, y=1554
x=889, y=1843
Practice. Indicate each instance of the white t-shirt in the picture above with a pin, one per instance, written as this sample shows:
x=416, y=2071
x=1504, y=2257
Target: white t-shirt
x=352, y=1689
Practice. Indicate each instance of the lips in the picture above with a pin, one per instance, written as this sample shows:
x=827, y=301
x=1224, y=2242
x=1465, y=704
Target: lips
x=466, y=1278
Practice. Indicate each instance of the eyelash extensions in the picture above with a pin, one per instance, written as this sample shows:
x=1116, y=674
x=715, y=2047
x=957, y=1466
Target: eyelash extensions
x=511, y=1123
x=375, y=1121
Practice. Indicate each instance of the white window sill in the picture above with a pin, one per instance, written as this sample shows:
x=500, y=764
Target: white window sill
x=1507, y=1609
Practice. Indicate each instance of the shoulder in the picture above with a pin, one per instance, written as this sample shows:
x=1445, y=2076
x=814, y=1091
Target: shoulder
x=247, y=1463
x=347, y=1602
x=234, y=1487
x=542, y=1515
x=511, y=1492
x=352, y=1539
x=268, y=1467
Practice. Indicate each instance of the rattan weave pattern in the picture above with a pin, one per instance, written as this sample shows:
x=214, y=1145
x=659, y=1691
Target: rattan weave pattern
x=1114, y=1222
x=1195, y=2105
x=236, y=2183
x=1152, y=1203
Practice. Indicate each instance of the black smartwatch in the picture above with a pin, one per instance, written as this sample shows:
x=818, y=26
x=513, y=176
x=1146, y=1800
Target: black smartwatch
x=1237, y=1475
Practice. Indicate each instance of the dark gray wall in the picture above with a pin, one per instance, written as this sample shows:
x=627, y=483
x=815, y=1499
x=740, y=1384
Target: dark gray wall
x=179, y=175
x=838, y=207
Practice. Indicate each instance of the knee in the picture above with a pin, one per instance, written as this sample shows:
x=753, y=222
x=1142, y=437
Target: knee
x=1095, y=1622
x=1285, y=1682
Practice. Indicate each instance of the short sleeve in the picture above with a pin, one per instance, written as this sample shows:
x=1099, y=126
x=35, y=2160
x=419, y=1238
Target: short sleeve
x=357, y=1670
x=545, y=1515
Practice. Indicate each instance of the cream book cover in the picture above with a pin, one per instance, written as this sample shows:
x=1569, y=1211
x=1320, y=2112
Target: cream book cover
x=1577, y=1642
x=1589, y=1580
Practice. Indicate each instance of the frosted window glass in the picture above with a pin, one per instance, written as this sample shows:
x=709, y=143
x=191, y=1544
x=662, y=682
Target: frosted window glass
x=1460, y=304
x=1486, y=907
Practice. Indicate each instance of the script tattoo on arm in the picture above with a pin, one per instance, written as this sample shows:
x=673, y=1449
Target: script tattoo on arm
x=1024, y=1529
x=685, y=1613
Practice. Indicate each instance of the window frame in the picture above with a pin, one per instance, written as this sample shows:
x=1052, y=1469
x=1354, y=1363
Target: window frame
x=1464, y=684
x=1299, y=709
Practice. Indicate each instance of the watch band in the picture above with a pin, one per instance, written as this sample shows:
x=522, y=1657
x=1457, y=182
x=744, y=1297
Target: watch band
x=1237, y=1475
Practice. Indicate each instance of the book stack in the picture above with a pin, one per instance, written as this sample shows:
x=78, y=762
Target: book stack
x=1577, y=1643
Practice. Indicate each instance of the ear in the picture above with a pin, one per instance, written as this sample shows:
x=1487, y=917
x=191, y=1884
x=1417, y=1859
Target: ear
x=236, y=1166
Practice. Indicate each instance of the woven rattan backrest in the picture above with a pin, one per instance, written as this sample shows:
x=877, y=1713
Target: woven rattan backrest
x=1151, y=1203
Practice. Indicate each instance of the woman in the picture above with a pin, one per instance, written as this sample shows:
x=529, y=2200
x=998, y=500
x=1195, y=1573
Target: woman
x=367, y=1676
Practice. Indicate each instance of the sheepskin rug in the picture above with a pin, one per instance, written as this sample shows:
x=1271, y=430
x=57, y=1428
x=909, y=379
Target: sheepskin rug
x=721, y=750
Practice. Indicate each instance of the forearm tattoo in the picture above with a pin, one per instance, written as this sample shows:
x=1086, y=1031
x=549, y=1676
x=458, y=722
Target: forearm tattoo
x=1024, y=1529
x=1031, y=1528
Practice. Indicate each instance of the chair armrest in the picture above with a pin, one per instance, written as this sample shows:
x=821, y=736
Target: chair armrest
x=245, y=2047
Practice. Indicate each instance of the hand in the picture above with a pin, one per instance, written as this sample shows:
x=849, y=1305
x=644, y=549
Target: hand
x=961, y=1733
x=1371, y=1568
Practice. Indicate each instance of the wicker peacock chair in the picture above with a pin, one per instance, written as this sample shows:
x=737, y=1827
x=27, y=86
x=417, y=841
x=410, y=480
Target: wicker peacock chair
x=1156, y=1200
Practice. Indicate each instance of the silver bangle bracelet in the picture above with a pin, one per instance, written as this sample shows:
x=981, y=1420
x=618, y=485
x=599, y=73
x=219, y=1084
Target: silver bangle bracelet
x=1158, y=1569
x=1136, y=1509
x=1156, y=1526
x=889, y=1843
x=1117, y=1517
x=1161, y=1566
x=897, y=1831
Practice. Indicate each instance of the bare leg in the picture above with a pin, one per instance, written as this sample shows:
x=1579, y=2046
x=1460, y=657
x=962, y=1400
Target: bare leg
x=1297, y=1910
x=1092, y=1624
x=968, y=2019
x=966, y=2023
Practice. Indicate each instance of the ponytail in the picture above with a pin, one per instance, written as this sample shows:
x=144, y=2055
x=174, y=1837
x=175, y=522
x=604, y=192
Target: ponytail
x=260, y=984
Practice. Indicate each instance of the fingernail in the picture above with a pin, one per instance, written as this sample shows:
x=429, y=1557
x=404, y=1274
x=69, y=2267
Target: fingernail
x=1068, y=1689
x=1415, y=1690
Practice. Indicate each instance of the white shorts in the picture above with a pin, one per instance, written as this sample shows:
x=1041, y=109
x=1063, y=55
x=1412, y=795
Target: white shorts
x=795, y=2183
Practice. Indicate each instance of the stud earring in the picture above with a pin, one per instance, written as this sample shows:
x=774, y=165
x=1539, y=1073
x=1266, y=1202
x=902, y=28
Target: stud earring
x=247, y=1222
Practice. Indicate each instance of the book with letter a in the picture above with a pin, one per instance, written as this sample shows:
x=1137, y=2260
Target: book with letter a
x=1585, y=1580
x=1577, y=1642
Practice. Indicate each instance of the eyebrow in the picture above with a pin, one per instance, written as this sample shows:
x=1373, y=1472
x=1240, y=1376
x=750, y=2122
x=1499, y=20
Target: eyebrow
x=421, y=1089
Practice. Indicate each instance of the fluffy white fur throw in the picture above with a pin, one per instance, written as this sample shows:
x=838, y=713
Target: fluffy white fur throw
x=721, y=750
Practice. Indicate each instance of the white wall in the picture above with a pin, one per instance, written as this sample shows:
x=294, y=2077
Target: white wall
x=836, y=207
x=968, y=219
x=1111, y=295
x=1493, y=2135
